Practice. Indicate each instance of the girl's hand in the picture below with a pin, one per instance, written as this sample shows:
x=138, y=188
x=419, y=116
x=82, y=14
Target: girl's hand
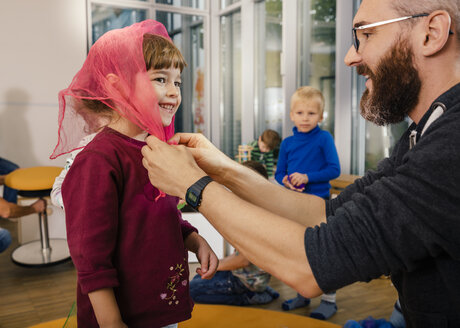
x=207, y=258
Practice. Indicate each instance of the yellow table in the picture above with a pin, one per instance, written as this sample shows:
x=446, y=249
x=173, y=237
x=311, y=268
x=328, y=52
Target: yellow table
x=226, y=316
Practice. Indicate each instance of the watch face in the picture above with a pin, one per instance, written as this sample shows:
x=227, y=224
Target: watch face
x=191, y=198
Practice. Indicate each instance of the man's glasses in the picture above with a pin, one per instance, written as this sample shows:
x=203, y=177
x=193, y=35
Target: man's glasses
x=355, y=30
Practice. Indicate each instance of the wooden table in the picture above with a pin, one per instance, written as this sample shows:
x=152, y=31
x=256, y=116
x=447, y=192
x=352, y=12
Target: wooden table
x=339, y=184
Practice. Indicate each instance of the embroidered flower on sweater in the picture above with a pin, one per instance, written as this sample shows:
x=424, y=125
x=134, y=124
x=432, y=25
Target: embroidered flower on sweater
x=175, y=280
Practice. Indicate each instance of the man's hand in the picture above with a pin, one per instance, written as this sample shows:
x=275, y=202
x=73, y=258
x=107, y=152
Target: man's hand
x=171, y=168
x=207, y=156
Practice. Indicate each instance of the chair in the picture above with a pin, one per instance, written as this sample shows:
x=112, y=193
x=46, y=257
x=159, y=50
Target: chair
x=37, y=182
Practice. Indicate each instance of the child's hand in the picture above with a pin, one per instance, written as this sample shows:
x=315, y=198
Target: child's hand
x=288, y=183
x=208, y=260
x=299, y=180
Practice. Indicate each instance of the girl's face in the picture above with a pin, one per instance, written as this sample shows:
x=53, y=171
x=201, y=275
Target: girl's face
x=166, y=83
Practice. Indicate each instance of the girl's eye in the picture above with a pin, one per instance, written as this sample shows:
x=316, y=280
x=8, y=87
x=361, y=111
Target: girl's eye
x=366, y=35
x=178, y=84
x=160, y=79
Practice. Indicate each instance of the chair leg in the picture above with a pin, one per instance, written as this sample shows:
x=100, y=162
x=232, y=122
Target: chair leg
x=43, y=252
x=44, y=236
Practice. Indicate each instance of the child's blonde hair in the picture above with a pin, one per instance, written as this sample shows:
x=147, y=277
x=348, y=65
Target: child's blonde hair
x=306, y=93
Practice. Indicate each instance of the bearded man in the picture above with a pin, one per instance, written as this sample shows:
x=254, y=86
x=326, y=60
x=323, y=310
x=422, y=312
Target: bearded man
x=401, y=219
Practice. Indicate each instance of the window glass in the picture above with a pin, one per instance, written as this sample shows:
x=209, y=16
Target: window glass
x=269, y=101
x=197, y=4
x=316, y=55
x=186, y=31
x=230, y=111
x=370, y=143
x=226, y=3
x=106, y=18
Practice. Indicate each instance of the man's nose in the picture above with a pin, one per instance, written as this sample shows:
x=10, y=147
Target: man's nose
x=352, y=58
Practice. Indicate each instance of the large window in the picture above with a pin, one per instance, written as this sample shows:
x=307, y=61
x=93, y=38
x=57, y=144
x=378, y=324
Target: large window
x=269, y=100
x=230, y=111
x=187, y=33
x=226, y=3
x=370, y=143
x=316, y=57
x=108, y=17
x=198, y=4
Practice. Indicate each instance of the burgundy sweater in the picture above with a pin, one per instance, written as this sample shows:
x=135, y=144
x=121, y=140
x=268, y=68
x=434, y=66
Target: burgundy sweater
x=120, y=238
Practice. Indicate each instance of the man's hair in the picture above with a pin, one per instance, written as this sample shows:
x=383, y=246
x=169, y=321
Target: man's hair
x=258, y=167
x=407, y=8
x=271, y=138
x=159, y=53
x=308, y=93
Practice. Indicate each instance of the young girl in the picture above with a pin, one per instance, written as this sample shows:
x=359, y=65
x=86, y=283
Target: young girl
x=127, y=239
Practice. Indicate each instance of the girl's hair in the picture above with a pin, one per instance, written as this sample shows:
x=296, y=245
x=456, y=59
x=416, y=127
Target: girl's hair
x=161, y=53
x=158, y=53
x=308, y=93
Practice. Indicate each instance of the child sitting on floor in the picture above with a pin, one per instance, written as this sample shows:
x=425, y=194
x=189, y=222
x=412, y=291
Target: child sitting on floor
x=237, y=281
x=264, y=150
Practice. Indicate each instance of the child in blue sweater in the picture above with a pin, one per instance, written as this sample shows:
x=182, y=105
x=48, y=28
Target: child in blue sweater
x=307, y=161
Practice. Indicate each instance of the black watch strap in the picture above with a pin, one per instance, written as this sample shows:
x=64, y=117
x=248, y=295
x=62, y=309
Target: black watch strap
x=195, y=191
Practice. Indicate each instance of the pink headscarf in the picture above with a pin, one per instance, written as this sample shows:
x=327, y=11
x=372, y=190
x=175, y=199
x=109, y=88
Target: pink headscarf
x=117, y=52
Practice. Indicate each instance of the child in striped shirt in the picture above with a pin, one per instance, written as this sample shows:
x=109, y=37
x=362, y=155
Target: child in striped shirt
x=265, y=150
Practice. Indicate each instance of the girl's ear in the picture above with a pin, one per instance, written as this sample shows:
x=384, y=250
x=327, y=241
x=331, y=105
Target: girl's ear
x=112, y=78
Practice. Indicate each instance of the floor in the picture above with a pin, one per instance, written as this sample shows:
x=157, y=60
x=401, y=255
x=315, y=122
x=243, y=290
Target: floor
x=34, y=295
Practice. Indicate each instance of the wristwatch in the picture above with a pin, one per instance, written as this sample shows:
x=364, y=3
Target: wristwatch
x=194, y=192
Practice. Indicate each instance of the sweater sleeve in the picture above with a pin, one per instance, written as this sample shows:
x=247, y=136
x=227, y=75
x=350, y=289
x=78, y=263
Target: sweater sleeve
x=281, y=168
x=331, y=169
x=91, y=196
x=394, y=220
x=186, y=227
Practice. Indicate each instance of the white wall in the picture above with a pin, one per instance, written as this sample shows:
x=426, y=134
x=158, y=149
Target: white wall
x=42, y=46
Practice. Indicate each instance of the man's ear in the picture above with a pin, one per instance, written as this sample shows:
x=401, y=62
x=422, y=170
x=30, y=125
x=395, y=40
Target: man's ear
x=436, y=32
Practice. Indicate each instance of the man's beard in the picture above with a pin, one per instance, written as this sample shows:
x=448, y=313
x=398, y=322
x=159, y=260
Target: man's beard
x=395, y=87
